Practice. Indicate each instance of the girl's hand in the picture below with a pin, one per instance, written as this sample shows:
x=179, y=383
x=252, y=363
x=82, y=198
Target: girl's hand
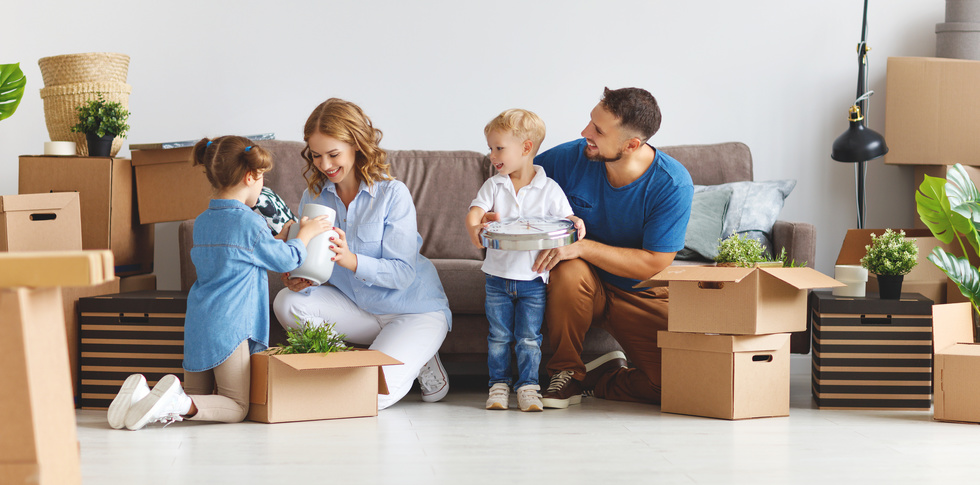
x=343, y=255
x=295, y=284
x=285, y=230
x=308, y=228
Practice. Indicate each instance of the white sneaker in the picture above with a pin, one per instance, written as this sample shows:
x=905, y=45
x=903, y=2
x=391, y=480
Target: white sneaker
x=529, y=398
x=499, y=396
x=165, y=403
x=433, y=380
x=133, y=389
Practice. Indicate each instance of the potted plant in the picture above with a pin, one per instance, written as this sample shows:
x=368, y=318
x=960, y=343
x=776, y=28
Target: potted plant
x=12, y=82
x=890, y=256
x=950, y=208
x=101, y=121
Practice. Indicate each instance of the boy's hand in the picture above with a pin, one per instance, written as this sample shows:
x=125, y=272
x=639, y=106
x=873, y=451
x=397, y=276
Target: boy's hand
x=579, y=226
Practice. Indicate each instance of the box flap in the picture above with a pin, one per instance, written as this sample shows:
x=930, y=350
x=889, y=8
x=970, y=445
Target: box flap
x=701, y=273
x=951, y=324
x=336, y=360
x=721, y=343
x=36, y=202
x=803, y=278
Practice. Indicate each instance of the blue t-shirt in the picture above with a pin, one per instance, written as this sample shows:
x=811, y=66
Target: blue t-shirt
x=649, y=213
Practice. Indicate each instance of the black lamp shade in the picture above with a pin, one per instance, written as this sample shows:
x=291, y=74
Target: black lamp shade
x=858, y=144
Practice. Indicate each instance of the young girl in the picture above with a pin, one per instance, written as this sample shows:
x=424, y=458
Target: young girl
x=382, y=292
x=227, y=315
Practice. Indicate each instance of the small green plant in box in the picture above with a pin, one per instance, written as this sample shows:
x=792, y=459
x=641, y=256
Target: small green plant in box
x=308, y=338
x=890, y=254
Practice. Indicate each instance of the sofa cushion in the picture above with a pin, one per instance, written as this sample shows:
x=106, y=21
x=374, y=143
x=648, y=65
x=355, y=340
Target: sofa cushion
x=442, y=183
x=704, y=229
x=753, y=207
x=464, y=282
x=273, y=209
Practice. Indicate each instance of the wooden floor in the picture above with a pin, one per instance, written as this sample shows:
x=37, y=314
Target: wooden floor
x=458, y=442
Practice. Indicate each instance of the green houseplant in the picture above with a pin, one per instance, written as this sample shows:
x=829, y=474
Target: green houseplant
x=12, y=83
x=743, y=251
x=950, y=208
x=312, y=339
x=890, y=256
x=101, y=121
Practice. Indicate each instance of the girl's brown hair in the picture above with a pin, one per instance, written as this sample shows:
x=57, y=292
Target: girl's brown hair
x=346, y=122
x=227, y=159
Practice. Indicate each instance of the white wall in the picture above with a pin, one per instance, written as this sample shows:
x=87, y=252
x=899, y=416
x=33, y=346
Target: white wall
x=778, y=75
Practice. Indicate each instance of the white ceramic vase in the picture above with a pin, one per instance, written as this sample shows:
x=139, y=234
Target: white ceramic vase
x=318, y=265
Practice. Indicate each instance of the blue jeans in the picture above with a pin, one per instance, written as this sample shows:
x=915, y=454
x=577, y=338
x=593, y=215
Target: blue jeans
x=515, y=310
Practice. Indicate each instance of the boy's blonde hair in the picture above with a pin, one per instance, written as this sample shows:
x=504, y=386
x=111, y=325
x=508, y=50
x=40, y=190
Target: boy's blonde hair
x=521, y=123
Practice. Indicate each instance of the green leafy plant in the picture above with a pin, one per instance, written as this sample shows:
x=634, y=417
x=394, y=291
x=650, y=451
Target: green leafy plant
x=12, y=83
x=950, y=208
x=308, y=338
x=741, y=250
x=101, y=117
x=890, y=254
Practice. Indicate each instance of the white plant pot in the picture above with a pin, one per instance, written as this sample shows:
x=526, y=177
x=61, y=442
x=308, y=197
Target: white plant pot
x=318, y=265
x=855, y=277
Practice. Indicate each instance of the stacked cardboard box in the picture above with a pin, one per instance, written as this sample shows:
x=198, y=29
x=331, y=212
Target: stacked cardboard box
x=957, y=358
x=128, y=333
x=40, y=222
x=726, y=348
x=169, y=188
x=870, y=353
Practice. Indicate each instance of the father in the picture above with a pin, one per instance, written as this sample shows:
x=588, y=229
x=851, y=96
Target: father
x=636, y=202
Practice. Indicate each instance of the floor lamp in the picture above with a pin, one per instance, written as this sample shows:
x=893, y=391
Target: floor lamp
x=859, y=144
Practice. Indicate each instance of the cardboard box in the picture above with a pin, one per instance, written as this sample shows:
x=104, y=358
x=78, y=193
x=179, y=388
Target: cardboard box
x=739, y=301
x=957, y=362
x=107, y=202
x=725, y=376
x=128, y=333
x=926, y=278
x=932, y=111
x=169, y=188
x=303, y=387
x=44, y=269
x=140, y=282
x=40, y=222
x=870, y=353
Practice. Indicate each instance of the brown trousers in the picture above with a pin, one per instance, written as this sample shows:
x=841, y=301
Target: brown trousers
x=577, y=300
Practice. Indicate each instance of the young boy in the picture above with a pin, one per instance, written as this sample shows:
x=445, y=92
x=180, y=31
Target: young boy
x=516, y=294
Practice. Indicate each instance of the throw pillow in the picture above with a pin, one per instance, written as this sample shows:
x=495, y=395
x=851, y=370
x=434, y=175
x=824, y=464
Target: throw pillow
x=704, y=229
x=753, y=208
x=274, y=209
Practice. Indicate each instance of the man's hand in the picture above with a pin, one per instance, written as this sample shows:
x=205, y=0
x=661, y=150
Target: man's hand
x=548, y=258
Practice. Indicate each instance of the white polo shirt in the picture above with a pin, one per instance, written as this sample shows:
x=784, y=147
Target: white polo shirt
x=540, y=199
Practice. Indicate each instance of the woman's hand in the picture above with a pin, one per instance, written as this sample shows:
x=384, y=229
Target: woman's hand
x=344, y=257
x=295, y=284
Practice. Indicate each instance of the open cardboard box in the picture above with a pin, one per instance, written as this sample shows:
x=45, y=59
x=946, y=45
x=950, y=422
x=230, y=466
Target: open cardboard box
x=956, y=393
x=932, y=109
x=926, y=278
x=725, y=376
x=168, y=187
x=40, y=222
x=304, y=387
x=738, y=301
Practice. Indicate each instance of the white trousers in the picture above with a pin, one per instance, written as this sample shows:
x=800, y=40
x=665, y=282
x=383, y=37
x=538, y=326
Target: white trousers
x=412, y=338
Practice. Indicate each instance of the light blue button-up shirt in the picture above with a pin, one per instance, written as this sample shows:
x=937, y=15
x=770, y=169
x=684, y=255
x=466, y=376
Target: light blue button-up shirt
x=382, y=230
x=229, y=302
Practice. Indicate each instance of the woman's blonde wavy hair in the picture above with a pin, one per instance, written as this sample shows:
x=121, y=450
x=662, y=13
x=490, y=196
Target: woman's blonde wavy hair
x=346, y=122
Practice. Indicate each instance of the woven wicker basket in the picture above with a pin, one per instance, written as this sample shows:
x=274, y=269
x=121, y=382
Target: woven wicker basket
x=93, y=67
x=60, y=114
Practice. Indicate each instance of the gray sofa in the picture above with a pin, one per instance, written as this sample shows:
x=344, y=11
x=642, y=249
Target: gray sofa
x=442, y=184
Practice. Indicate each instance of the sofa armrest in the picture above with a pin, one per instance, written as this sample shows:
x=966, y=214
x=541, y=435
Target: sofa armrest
x=185, y=241
x=799, y=239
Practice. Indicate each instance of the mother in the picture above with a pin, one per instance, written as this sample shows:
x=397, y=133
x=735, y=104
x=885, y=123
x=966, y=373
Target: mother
x=382, y=292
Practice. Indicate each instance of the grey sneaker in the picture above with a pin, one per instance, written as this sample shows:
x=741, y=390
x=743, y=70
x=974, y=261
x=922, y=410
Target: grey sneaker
x=529, y=399
x=433, y=380
x=133, y=389
x=165, y=403
x=499, y=397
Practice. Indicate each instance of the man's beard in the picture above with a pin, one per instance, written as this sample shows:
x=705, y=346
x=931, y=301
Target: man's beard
x=599, y=158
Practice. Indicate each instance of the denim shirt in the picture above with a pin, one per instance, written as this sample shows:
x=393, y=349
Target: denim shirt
x=229, y=302
x=382, y=230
